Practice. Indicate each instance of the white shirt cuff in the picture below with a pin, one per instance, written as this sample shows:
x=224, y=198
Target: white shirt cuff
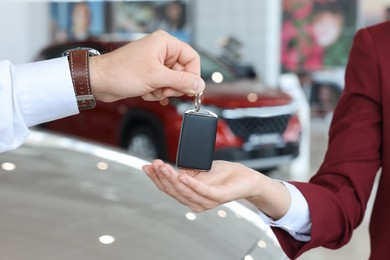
x=296, y=221
x=45, y=91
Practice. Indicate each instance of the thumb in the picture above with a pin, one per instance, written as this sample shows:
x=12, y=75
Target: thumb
x=183, y=81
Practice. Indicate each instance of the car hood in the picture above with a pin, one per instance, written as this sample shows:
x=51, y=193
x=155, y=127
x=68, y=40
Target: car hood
x=244, y=93
x=66, y=199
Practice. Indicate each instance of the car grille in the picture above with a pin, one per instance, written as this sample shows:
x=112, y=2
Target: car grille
x=246, y=126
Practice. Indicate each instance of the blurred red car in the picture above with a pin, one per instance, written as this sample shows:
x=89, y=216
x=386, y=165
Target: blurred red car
x=258, y=126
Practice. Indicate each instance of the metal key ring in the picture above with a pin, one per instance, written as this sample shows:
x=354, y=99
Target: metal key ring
x=198, y=101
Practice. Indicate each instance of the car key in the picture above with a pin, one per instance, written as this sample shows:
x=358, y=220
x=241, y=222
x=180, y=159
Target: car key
x=197, y=138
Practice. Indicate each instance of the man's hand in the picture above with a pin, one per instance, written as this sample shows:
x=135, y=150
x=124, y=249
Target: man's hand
x=154, y=67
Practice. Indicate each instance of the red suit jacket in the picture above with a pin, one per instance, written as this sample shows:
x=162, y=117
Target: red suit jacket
x=359, y=144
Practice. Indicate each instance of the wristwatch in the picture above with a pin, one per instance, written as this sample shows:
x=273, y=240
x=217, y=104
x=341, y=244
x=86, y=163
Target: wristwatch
x=79, y=70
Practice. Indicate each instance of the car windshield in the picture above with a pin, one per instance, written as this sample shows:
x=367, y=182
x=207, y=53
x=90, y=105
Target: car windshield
x=215, y=71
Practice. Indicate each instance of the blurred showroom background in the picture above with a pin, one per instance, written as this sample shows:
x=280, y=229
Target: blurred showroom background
x=289, y=44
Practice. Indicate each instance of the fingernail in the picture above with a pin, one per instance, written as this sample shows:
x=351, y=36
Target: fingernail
x=199, y=85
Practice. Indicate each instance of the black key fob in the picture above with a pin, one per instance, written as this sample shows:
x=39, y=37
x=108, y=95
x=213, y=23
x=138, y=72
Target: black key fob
x=197, y=140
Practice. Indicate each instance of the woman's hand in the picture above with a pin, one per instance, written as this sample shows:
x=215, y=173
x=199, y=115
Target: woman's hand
x=225, y=182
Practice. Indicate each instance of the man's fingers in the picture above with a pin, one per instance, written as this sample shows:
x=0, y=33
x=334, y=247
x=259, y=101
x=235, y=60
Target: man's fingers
x=161, y=93
x=182, y=53
x=182, y=81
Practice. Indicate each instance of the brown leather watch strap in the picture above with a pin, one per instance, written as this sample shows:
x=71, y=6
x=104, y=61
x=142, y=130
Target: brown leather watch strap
x=79, y=69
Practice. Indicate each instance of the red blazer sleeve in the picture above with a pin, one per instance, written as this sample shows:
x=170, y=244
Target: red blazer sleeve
x=337, y=195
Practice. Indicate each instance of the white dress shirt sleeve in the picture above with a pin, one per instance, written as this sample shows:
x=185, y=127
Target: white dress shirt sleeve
x=296, y=221
x=31, y=94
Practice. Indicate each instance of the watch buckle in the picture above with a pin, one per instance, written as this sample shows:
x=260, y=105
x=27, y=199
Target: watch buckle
x=86, y=101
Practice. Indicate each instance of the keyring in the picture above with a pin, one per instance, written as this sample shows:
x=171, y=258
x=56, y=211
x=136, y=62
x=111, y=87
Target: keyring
x=198, y=101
